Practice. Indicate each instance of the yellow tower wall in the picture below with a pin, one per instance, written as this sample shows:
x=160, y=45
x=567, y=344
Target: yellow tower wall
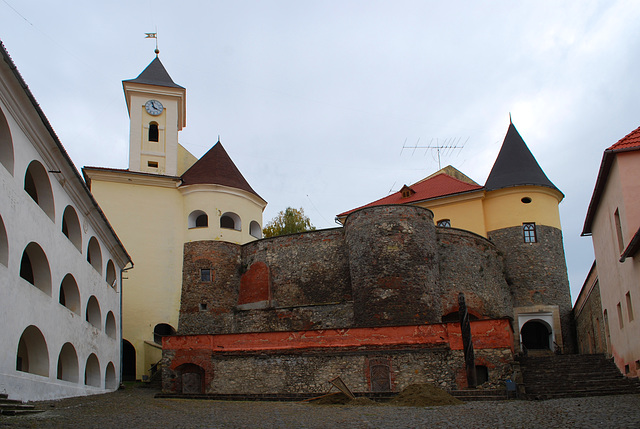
x=146, y=218
x=216, y=200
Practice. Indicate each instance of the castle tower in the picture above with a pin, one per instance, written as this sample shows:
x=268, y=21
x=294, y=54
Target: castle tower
x=157, y=111
x=522, y=219
x=219, y=204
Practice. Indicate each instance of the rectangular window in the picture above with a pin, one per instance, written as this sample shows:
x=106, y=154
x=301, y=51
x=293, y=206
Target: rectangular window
x=152, y=164
x=629, y=307
x=616, y=216
x=205, y=275
x=529, y=232
x=621, y=322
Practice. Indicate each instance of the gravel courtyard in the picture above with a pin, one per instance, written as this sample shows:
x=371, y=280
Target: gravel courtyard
x=137, y=408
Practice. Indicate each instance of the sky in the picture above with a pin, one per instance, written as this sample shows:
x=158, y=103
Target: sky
x=317, y=102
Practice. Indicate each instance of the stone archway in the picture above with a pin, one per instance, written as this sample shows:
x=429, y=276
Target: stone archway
x=536, y=335
x=190, y=378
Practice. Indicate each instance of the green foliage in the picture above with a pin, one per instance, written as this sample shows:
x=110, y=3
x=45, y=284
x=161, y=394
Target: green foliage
x=288, y=221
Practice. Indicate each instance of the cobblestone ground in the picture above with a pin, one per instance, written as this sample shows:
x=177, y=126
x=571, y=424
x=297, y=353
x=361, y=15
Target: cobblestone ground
x=137, y=408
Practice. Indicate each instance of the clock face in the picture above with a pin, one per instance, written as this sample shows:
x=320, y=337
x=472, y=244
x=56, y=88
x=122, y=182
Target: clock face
x=154, y=107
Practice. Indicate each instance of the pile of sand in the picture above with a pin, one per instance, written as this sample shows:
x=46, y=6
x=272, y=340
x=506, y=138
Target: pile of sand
x=415, y=395
x=423, y=395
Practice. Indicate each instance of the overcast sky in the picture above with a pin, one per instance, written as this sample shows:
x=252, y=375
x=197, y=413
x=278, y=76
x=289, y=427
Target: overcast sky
x=314, y=101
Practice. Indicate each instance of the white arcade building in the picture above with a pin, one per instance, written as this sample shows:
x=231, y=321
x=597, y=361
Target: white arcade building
x=60, y=262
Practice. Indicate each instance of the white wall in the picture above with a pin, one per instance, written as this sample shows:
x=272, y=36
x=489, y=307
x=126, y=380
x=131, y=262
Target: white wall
x=21, y=303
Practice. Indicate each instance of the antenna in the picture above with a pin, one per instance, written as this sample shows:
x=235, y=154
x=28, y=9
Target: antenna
x=447, y=147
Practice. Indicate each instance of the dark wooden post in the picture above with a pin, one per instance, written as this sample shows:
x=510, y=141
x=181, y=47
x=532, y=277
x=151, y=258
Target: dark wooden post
x=465, y=327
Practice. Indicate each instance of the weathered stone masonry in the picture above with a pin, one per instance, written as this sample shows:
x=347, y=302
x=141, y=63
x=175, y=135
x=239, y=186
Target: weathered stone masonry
x=389, y=267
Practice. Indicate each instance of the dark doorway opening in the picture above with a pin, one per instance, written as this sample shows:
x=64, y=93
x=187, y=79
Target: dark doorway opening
x=535, y=335
x=128, y=361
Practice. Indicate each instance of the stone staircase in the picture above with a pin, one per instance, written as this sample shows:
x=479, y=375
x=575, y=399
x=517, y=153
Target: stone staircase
x=566, y=376
x=11, y=407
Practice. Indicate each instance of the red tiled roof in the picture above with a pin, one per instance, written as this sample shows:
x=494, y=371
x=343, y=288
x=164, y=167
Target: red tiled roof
x=437, y=186
x=630, y=141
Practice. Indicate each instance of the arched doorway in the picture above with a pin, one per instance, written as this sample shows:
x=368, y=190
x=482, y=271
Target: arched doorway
x=190, y=378
x=128, y=361
x=536, y=335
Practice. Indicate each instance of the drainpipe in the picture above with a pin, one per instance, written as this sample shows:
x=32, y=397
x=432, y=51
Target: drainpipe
x=121, y=339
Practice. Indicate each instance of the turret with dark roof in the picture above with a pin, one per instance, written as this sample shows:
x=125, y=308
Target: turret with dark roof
x=216, y=168
x=515, y=165
x=155, y=74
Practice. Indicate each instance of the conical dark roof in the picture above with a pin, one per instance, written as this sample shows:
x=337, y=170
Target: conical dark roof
x=155, y=74
x=516, y=165
x=216, y=168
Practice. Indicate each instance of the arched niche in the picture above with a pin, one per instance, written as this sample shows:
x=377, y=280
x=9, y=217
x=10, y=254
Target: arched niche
x=198, y=219
x=33, y=354
x=70, y=294
x=92, y=371
x=111, y=274
x=71, y=227
x=230, y=220
x=161, y=330
x=34, y=267
x=4, y=245
x=94, y=254
x=68, y=364
x=93, y=312
x=110, y=325
x=6, y=144
x=255, y=230
x=110, y=380
x=38, y=186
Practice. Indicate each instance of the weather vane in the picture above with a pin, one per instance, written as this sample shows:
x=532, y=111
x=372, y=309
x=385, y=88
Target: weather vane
x=153, y=36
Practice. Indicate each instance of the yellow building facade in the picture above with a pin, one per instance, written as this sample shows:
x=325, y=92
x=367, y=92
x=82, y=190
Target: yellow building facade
x=166, y=198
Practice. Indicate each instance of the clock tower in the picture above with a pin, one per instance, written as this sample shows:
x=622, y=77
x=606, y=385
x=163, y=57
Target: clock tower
x=157, y=111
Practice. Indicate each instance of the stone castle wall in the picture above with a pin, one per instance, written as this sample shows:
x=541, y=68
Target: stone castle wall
x=537, y=273
x=304, y=361
x=388, y=266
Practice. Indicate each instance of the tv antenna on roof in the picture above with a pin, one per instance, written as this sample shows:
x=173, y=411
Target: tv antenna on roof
x=442, y=147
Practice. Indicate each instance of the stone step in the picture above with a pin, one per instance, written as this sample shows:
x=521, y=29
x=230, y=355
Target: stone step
x=469, y=395
x=564, y=376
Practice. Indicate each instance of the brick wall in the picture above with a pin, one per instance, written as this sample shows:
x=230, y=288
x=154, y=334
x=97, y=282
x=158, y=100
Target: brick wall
x=304, y=362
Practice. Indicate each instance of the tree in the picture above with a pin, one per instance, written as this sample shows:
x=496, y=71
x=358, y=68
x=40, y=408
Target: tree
x=288, y=221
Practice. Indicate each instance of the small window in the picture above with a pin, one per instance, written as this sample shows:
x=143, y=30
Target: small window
x=529, y=232
x=445, y=223
x=616, y=216
x=152, y=164
x=620, y=321
x=205, y=275
x=629, y=307
x=203, y=306
x=627, y=370
x=526, y=200
x=153, y=132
